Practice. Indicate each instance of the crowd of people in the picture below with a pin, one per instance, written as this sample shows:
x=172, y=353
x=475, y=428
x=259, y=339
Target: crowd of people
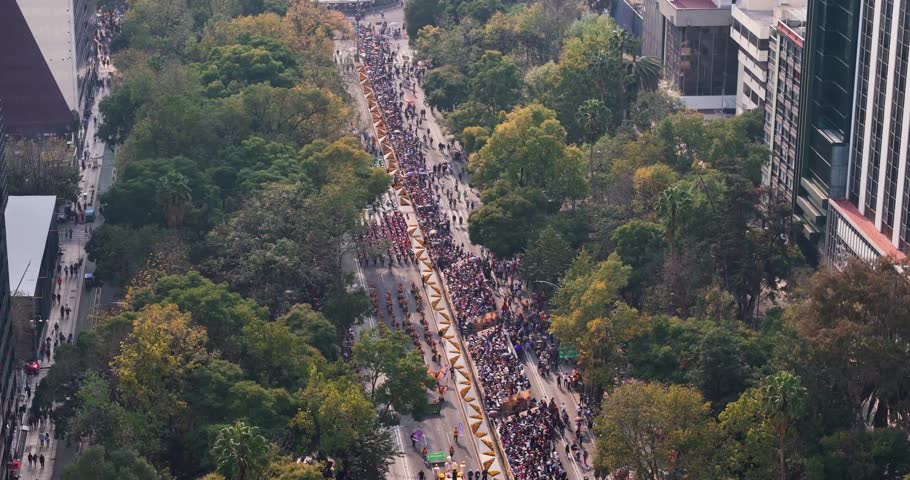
x=471, y=295
x=384, y=233
x=500, y=371
x=527, y=437
x=529, y=446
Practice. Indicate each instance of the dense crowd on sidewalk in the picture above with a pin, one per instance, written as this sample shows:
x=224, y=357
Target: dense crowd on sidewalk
x=530, y=451
x=500, y=371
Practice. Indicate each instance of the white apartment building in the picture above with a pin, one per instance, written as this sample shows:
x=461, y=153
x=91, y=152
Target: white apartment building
x=751, y=30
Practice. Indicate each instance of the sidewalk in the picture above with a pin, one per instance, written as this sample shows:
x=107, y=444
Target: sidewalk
x=72, y=294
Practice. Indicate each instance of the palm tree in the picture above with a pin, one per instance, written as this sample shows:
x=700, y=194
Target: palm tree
x=641, y=72
x=782, y=401
x=174, y=195
x=673, y=201
x=646, y=71
x=593, y=117
x=240, y=452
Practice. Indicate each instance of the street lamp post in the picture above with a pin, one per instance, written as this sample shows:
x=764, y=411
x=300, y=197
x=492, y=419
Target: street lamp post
x=547, y=283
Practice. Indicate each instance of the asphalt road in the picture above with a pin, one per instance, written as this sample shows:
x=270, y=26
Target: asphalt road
x=438, y=429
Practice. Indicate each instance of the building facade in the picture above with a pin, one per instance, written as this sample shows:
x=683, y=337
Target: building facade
x=698, y=55
x=785, y=59
x=628, y=15
x=652, y=30
x=877, y=200
x=753, y=23
x=9, y=381
x=751, y=30
x=825, y=112
x=48, y=56
x=32, y=245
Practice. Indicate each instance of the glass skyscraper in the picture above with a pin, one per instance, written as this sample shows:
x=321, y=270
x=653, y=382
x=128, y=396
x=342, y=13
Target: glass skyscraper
x=870, y=215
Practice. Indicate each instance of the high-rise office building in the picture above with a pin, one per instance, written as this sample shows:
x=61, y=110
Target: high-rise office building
x=692, y=39
x=872, y=217
x=8, y=371
x=785, y=58
x=825, y=111
x=47, y=56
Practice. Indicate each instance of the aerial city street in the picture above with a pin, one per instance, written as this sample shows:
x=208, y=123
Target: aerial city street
x=454, y=239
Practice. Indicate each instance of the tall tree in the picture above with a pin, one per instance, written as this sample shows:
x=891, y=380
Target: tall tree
x=749, y=447
x=340, y=421
x=240, y=452
x=783, y=401
x=587, y=292
x=545, y=261
x=445, y=87
x=395, y=376
x=672, y=202
x=419, y=14
x=155, y=362
x=174, y=195
x=495, y=81
x=660, y=432
x=98, y=463
x=857, y=325
x=529, y=150
x=594, y=118
x=42, y=167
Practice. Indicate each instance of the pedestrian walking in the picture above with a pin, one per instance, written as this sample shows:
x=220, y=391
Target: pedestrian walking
x=451, y=451
x=455, y=435
x=41, y=460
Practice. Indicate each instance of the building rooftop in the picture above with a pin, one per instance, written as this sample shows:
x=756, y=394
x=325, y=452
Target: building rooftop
x=792, y=20
x=693, y=4
x=765, y=17
x=51, y=25
x=27, y=221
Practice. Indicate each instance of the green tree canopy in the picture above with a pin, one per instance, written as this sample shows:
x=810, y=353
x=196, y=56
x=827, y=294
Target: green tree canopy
x=315, y=329
x=222, y=312
x=254, y=60
x=856, y=322
x=121, y=464
x=395, y=376
x=445, y=87
x=155, y=361
x=495, y=81
x=660, y=432
x=545, y=261
x=240, y=452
